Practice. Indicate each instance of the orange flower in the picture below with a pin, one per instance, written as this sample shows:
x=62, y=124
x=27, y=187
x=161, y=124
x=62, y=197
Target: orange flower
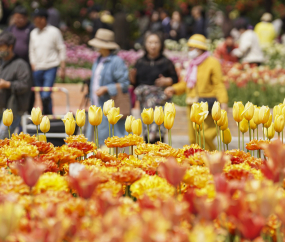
x=68, y=154
x=129, y=140
x=43, y=147
x=105, y=156
x=127, y=175
x=85, y=147
x=22, y=151
x=158, y=149
x=25, y=137
x=4, y=142
x=75, y=138
x=256, y=144
x=238, y=153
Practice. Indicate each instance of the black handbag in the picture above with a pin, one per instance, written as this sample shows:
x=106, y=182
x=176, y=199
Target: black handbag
x=209, y=100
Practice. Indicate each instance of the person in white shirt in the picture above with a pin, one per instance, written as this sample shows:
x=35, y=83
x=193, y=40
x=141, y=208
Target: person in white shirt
x=249, y=49
x=47, y=52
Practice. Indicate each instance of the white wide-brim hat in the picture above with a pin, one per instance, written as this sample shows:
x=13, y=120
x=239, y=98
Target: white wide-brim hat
x=104, y=39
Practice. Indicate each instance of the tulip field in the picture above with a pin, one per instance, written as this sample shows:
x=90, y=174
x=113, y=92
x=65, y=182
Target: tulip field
x=78, y=192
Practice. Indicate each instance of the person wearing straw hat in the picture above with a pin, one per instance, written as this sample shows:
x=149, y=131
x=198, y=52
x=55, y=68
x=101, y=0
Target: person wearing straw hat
x=108, y=70
x=203, y=83
x=265, y=30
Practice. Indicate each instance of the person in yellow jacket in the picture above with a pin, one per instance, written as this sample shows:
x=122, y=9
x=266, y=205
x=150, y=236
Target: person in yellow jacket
x=265, y=30
x=203, y=82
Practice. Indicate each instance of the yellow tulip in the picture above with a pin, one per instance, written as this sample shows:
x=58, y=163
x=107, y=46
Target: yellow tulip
x=264, y=114
x=7, y=117
x=95, y=115
x=248, y=111
x=270, y=131
x=69, y=126
x=45, y=125
x=277, y=110
x=279, y=123
x=226, y=136
x=195, y=110
x=197, y=127
x=244, y=126
x=238, y=109
x=223, y=118
x=252, y=124
x=204, y=106
x=256, y=116
x=36, y=116
x=114, y=115
x=107, y=106
x=80, y=118
x=42, y=138
x=158, y=115
x=128, y=123
x=216, y=111
x=147, y=116
x=69, y=115
x=169, y=120
x=225, y=125
x=169, y=107
x=137, y=127
x=268, y=123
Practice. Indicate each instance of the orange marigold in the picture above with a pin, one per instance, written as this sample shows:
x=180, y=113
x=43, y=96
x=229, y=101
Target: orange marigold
x=105, y=156
x=22, y=151
x=43, y=147
x=129, y=140
x=127, y=175
x=4, y=142
x=85, y=147
x=158, y=149
x=68, y=154
x=256, y=144
x=26, y=137
x=238, y=153
x=75, y=138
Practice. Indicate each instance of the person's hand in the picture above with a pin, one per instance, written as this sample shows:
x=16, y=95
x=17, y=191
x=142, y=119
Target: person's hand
x=4, y=84
x=62, y=74
x=101, y=91
x=33, y=67
x=169, y=91
x=163, y=81
x=132, y=76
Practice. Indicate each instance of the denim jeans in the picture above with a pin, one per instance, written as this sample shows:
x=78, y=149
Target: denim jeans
x=45, y=78
x=4, y=130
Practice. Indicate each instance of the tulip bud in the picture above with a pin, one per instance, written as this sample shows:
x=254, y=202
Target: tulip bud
x=226, y=136
x=223, y=118
x=95, y=115
x=114, y=115
x=69, y=126
x=252, y=124
x=256, y=116
x=128, y=123
x=270, y=131
x=45, y=125
x=195, y=110
x=204, y=106
x=279, y=123
x=277, y=110
x=107, y=106
x=169, y=120
x=169, y=107
x=69, y=115
x=243, y=126
x=80, y=118
x=36, y=116
x=248, y=111
x=137, y=127
x=268, y=123
x=147, y=116
x=238, y=109
x=264, y=114
x=216, y=111
x=158, y=115
x=7, y=117
x=225, y=125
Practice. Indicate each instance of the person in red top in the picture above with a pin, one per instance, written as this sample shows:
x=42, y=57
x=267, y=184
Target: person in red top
x=223, y=51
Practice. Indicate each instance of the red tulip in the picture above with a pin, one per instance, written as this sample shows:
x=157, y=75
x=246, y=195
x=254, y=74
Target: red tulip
x=216, y=162
x=221, y=183
x=190, y=197
x=250, y=225
x=30, y=171
x=172, y=171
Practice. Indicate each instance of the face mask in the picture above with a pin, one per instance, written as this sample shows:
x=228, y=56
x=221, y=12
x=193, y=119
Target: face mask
x=4, y=54
x=193, y=54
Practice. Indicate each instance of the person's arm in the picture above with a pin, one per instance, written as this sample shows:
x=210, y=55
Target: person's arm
x=32, y=55
x=244, y=45
x=178, y=89
x=171, y=77
x=217, y=80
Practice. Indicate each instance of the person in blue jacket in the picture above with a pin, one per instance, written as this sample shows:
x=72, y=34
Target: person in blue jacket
x=108, y=70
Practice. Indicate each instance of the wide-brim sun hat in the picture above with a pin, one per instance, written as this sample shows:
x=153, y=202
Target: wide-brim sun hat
x=104, y=39
x=267, y=17
x=198, y=41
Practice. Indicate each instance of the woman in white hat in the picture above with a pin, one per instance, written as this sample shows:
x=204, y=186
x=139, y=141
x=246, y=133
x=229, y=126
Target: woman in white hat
x=107, y=71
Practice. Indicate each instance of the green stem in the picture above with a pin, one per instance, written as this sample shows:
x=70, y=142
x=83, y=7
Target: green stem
x=169, y=137
x=200, y=137
x=259, y=154
x=224, y=140
x=267, y=134
x=257, y=132
x=148, y=133
x=204, y=143
x=217, y=131
x=9, y=132
x=253, y=138
x=37, y=132
x=97, y=131
x=132, y=150
x=239, y=135
x=221, y=147
x=113, y=131
x=80, y=130
x=95, y=140
x=243, y=141
x=227, y=147
x=127, y=191
x=109, y=136
x=249, y=129
x=196, y=135
x=279, y=136
x=117, y=152
x=159, y=133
